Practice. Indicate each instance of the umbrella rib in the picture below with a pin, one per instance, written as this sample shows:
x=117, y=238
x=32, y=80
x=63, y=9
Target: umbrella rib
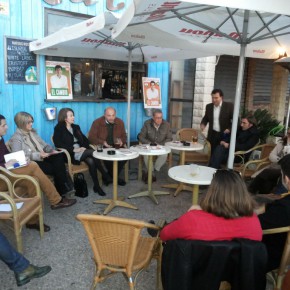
x=265, y=25
x=174, y=11
x=268, y=37
x=202, y=25
x=222, y=23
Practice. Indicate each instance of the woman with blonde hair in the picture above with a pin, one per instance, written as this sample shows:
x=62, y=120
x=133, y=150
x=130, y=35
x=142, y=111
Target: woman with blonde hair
x=25, y=138
x=225, y=213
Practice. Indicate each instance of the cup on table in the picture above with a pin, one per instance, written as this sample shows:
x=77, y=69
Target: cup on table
x=99, y=148
x=117, y=143
x=194, y=169
x=194, y=138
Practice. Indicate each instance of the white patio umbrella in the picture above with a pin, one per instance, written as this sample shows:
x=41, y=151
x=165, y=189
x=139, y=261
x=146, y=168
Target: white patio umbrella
x=92, y=39
x=246, y=28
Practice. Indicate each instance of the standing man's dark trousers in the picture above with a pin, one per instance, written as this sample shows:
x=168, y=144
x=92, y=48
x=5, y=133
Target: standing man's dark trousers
x=219, y=156
x=215, y=140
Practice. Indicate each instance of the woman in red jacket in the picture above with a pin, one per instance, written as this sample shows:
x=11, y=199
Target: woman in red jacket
x=225, y=213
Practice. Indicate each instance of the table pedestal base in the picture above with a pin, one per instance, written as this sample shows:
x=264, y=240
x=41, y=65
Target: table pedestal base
x=113, y=203
x=178, y=186
x=149, y=193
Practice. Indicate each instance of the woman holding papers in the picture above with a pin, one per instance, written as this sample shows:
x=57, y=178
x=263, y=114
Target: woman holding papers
x=25, y=138
x=69, y=136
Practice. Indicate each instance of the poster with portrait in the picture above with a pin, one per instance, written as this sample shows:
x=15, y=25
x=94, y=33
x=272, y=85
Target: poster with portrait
x=58, y=80
x=151, y=92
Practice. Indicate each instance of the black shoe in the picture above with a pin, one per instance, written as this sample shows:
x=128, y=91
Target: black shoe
x=31, y=272
x=37, y=227
x=121, y=182
x=98, y=189
x=153, y=233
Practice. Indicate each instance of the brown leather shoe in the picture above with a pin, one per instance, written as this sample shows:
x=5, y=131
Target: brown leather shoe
x=65, y=202
x=37, y=227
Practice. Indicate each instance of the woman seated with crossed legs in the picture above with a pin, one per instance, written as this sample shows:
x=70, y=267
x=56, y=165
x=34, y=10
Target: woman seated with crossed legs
x=69, y=136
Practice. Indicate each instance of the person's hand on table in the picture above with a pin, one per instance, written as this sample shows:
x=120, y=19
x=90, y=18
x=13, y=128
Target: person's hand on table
x=107, y=145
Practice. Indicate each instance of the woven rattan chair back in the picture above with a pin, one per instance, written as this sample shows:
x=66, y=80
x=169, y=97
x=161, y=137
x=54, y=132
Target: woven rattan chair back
x=118, y=246
x=31, y=206
x=285, y=260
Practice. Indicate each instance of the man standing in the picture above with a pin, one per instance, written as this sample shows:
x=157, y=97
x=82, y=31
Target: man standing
x=247, y=137
x=275, y=215
x=218, y=115
x=155, y=130
x=58, y=80
x=23, y=270
x=105, y=131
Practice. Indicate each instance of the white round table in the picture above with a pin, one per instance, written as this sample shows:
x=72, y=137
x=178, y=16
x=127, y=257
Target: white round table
x=182, y=173
x=177, y=145
x=150, y=151
x=121, y=154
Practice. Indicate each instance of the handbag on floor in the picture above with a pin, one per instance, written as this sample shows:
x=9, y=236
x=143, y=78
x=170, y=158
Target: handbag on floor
x=80, y=185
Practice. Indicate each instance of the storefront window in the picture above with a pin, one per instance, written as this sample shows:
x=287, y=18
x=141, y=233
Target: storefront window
x=95, y=79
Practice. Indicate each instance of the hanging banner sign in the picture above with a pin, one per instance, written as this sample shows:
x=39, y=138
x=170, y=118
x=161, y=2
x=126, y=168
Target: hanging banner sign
x=58, y=80
x=151, y=93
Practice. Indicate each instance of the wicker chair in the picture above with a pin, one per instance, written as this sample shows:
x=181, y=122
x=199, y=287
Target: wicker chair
x=247, y=169
x=31, y=205
x=201, y=156
x=285, y=260
x=118, y=247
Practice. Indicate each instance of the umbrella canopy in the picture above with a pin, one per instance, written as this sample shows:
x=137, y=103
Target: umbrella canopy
x=92, y=39
x=245, y=28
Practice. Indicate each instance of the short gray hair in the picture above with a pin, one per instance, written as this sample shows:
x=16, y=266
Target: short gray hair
x=156, y=111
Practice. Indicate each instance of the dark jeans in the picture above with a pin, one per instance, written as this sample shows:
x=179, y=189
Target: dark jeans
x=218, y=157
x=14, y=260
x=215, y=140
x=264, y=182
x=55, y=165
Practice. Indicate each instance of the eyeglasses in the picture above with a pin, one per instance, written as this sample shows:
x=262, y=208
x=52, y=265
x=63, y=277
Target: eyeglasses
x=30, y=122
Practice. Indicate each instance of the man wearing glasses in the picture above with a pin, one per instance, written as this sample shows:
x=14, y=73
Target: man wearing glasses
x=247, y=137
x=155, y=131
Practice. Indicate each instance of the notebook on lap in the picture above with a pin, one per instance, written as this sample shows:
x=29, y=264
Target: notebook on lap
x=18, y=156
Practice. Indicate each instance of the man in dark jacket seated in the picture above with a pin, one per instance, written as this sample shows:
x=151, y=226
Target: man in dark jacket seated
x=247, y=137
x=276, y=215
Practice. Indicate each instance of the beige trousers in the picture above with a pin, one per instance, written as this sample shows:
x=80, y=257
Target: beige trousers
x=46, y=186
x=160, y=161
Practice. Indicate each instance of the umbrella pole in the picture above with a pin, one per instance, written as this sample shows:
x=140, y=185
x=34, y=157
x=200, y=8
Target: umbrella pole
x=129, y=95
x=288, y=113
x=238, y=91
